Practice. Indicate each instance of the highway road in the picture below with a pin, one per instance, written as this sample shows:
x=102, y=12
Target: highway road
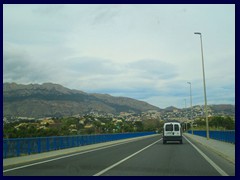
x=144, y=157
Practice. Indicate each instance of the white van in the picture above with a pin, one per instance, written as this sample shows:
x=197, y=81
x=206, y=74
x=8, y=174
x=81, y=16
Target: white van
x=172, y=131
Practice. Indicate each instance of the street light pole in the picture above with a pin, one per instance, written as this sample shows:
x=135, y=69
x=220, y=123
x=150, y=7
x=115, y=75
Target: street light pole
x=191, y=105
x=204, y=86
x=185, y=115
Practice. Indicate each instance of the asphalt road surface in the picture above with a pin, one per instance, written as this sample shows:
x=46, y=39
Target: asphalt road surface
x=145, y=157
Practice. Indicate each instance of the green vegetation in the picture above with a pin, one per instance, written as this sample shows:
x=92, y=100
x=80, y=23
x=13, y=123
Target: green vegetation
x=76, y=126
x=215, y=123
x=91, y=124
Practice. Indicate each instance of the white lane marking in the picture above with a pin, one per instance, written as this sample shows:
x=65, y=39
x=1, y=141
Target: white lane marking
x=222, y=172
x=119, y=162
x=75, y=154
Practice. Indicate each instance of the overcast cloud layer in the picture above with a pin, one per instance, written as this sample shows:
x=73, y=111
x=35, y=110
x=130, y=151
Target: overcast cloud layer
x=146, y=52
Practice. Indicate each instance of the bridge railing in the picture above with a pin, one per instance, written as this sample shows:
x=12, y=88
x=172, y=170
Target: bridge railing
x=227, y=136
x=25, y=146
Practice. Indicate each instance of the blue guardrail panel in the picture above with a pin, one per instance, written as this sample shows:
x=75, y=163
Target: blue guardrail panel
x=226, y=136
x=25, y=146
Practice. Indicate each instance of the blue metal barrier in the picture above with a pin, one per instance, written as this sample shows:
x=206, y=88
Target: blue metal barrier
x=226, y=136
x=25, y=146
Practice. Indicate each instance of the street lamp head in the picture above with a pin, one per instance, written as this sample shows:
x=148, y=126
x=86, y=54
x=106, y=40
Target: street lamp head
x=188, y=82
x=198, y=33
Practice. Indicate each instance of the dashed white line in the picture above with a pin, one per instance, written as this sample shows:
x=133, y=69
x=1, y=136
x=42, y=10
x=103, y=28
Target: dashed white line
x=125, y=159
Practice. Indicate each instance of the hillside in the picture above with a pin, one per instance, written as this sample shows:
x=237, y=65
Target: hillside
x=170, y=108
x=49, y=99
x=223, y=109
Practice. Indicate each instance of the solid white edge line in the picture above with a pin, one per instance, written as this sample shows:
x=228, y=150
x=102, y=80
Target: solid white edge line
x=119, y=162
x=214, y=165
x=66, y=156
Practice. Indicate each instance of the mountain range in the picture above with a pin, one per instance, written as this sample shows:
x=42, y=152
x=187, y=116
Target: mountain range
x=48, y=99
x=54, y=100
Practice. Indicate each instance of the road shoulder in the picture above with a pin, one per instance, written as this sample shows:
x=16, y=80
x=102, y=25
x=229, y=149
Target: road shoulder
x=223, y=149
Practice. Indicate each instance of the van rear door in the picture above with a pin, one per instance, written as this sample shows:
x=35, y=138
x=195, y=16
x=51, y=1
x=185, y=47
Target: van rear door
x=177, y=130
x=172, y=129
x=168, y=130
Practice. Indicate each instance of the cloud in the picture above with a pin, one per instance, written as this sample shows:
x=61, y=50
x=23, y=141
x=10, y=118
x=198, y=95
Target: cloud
x=150, y=80
x=141, y=79
x=15, y=62
x=20, y=65
x=48, y=10
x=150, y=68
x=104, y=14
x=147, y=52
x=92, y=66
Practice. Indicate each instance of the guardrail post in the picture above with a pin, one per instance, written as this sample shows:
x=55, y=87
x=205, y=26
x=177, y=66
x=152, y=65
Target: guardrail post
x=78, y=141
x=73, y=141
x=55, y=143
x=47, y=143
x=61, y=142
x=39, y=145
x=29, y=146
x=5, y=148
x=18, y=147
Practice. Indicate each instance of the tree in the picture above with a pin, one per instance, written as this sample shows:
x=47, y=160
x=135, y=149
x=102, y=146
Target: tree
x=151, y=124
x=127, y=127
x=220, y=122
x=139, y=126
x=229, y=123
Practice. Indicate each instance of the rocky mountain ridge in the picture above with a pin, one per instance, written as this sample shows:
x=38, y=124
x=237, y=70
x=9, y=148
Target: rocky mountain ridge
x=50, y=99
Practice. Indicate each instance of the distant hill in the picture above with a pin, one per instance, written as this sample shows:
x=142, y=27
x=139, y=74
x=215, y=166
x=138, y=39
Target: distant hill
x=226, y=109
x=170, y=108
x=50, y=99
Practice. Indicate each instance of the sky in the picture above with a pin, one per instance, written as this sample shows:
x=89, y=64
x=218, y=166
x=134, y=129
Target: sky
x=146, y=52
